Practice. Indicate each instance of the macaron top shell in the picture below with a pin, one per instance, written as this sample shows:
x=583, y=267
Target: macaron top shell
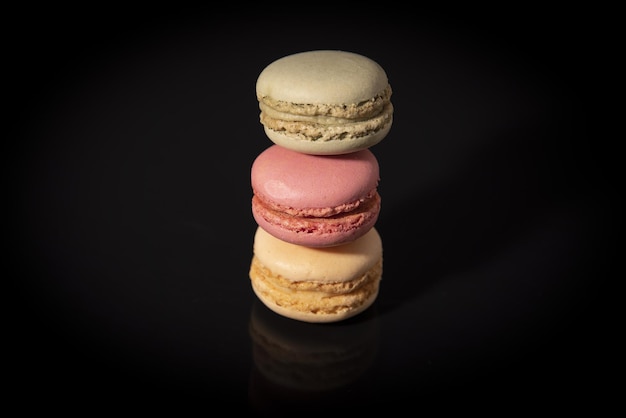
x=333, y=264
x=324, y=76
x=290, y=179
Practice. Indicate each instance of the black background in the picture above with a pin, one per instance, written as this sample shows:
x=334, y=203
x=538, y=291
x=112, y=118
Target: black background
x=130, y=138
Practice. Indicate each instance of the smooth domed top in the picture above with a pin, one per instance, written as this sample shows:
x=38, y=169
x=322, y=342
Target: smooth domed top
x=334, y=264
x=298, y=180
x=325, y=76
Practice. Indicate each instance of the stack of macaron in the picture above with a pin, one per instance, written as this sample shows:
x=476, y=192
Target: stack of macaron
x=317, y=256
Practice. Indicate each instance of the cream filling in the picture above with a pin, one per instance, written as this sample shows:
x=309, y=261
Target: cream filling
x=361, y=110
x=272, y=113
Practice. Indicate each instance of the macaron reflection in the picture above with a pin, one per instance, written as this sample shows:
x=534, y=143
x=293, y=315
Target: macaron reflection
x=296, y=361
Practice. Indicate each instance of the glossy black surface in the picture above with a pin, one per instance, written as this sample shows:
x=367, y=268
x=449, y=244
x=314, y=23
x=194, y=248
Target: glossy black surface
x=134, y=136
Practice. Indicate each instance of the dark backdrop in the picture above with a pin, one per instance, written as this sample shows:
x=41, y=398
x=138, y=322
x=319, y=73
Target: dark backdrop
x=130, y=138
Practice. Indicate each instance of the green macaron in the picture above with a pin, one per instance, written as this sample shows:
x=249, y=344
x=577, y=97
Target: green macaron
x=325, y=102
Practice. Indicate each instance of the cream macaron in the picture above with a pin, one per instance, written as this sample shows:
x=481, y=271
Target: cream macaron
x=325, y=102
x=316, y=284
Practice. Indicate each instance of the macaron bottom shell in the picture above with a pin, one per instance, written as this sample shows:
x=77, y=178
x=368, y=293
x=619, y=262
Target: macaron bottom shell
x=312, y=306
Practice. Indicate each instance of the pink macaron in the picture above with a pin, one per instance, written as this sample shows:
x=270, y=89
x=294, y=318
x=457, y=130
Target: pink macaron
x=315, y=200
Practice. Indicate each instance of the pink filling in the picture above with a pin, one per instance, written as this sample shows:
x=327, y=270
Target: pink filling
x=319, y=212
x=320, y=220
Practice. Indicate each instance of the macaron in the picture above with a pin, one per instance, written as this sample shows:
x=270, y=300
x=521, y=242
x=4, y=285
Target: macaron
x=316, y=284
x=325, y=102
x=313, y=200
